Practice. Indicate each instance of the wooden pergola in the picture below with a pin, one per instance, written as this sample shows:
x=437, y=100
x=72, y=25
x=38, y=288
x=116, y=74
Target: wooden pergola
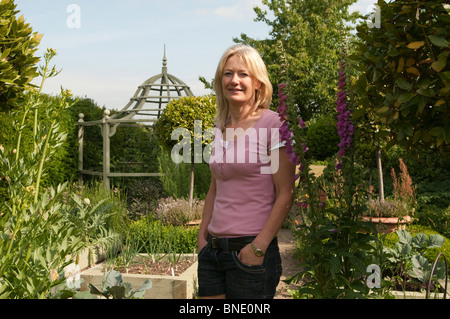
x=143, y=109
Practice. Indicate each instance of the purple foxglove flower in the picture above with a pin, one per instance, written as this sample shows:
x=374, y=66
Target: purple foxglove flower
x=344, y=126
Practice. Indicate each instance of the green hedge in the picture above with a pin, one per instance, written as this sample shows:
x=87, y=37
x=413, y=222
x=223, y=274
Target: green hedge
x=63, y=165
x=159, y=238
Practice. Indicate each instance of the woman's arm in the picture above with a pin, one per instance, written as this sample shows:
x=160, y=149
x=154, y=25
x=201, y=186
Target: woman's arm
x=283, y=177
x=207, y=214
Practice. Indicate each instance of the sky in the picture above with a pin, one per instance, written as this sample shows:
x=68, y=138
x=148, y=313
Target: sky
x=107, y=48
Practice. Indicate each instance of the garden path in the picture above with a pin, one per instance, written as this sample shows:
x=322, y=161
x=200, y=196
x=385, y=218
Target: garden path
x=287, y=246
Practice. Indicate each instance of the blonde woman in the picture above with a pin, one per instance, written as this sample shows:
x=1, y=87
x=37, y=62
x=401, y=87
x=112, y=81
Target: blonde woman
x=252, y=183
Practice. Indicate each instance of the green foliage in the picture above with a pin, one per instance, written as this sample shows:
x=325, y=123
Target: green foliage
x=435, y=217
x=18, y=43
x=322, y=138
x=181, y=113
x=36, y=242
x=92, y=140
x=311, y=32
x=405, y=79
x=63, y=165
x=177, y=212
x=175, y=177
x=92, y=221
x=143, y=196
x=114, y=287
x=187, y=124
x=408, y=260
x=134, y=149
x=335, y=252
x=154, y=236
x=430, y=253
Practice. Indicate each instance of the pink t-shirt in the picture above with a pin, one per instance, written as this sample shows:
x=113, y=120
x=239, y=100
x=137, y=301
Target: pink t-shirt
x=245, y=192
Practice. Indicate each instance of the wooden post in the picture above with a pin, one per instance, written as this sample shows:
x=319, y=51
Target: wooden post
x=106, y=151
x=380, y=175
x=80, y=144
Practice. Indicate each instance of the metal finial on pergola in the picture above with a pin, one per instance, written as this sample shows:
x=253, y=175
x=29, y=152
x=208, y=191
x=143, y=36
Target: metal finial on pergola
x=157, y=92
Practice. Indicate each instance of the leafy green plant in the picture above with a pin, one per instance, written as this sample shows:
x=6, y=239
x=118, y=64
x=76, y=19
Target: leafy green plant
x=408, y=256
x=155, y=236
x=322, y=137
x=405, y=79
x=183, y=114
x=175, y=178
x=335, y=243
x=114, y=287
x=36, y=242
x=92, y=222
x=177, y=211
x=143, y=196
x=386, y=208
x=130, y=249
x=310, y=31
x=18, y=43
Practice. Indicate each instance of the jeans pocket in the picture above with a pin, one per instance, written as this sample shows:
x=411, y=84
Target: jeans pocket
x=255, y=269
x=202, y=251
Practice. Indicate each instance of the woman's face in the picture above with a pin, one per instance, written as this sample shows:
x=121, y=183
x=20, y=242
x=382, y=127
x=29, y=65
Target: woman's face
x=237, y=83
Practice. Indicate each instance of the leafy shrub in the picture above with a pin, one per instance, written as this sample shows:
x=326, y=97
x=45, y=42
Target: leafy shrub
x=410, y=257
x=18, y=43
x=142, y=197
x=322, y=138
x=92, y=140
x=63, y=164
x=182, y=113
x=395, y=85
x=176, y=177
x=436, y=218
x=188, y=115
x=36, y=241
x=387, y=208
x=155, y=236
x=100, y=213
x=430, y=254
x=177, y=211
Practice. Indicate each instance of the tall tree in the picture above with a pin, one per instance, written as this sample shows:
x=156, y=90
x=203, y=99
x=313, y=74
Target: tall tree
x=183, y=126
x=404, y=82
x=311, y=33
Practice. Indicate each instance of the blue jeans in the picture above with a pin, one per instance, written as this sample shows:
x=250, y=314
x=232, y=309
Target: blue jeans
x=221, y=272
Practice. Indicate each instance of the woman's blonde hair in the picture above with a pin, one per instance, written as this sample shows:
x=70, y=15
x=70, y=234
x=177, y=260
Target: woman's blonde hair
x=258, y=71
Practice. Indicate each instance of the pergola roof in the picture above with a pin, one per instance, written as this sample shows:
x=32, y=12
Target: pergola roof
x=153, y=94
x=157, y=91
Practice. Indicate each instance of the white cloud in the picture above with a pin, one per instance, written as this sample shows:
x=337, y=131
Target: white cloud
x=363, y=6
x=239, y=11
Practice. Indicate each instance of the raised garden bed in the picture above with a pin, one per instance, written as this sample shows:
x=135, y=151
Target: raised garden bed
x=181, y=284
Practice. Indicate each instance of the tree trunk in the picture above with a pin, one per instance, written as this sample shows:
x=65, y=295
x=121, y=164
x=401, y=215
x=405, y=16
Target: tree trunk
x=380, y=176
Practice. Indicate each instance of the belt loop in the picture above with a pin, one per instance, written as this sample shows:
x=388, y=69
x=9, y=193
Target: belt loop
x=224, y=243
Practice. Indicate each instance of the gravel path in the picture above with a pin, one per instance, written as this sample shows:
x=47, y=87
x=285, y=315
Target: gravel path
x=290, y=264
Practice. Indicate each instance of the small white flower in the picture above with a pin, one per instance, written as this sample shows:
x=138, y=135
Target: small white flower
x=87, y=201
